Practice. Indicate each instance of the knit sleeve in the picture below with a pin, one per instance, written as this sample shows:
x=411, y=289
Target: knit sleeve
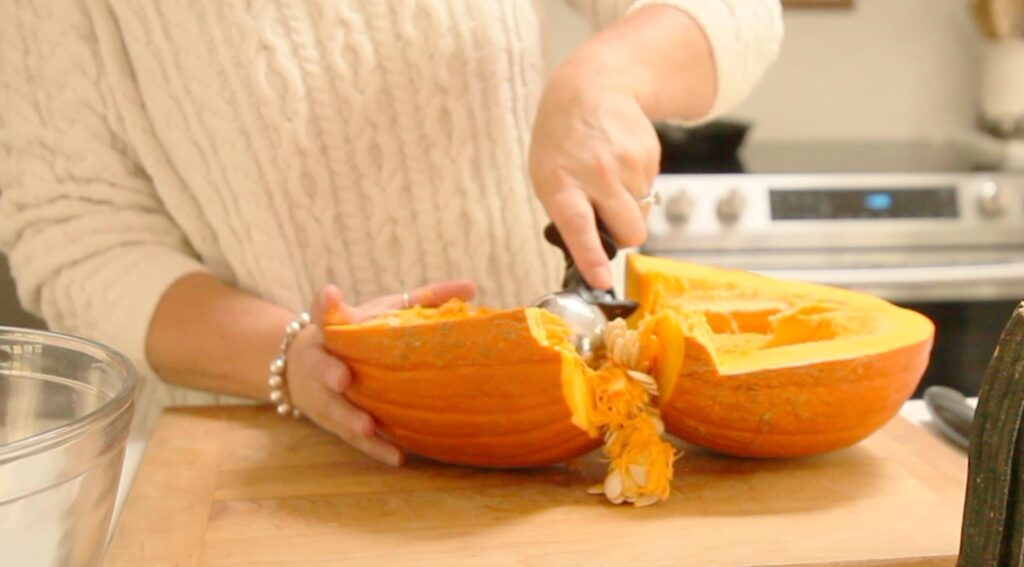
x=745, y=37
x=91, y=247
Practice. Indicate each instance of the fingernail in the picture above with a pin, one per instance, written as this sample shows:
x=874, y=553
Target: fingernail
x=604, y=277
x=368, y=428
x=395, y=458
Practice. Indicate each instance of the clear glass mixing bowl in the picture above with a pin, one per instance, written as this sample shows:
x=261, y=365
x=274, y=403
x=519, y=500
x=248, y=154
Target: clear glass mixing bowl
x=65, y=411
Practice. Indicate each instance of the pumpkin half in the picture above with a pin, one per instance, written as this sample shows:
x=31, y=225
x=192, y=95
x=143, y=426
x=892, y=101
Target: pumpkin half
x=471, y=386
x=760, y=367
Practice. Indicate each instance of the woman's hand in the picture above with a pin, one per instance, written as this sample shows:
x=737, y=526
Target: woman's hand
x=594, y=145
x=317, y=380
x=593, y=148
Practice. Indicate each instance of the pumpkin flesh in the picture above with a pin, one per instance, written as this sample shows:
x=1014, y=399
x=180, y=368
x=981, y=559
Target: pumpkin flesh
x=759, y=367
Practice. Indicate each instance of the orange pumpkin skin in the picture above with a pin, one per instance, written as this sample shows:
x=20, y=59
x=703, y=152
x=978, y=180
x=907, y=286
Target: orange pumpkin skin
x=811, y=398
x=793, y=412
x=480, y=391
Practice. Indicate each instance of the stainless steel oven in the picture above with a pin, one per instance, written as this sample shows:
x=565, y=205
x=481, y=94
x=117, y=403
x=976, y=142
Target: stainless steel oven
x=929, y=226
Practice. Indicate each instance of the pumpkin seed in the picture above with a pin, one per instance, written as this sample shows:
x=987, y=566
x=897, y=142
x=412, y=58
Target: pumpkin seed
x=614, y=350
x=630, y=349
x=639, y=474
x=610, y=435
x=642, y=377
x=613, y=486
x=645, y=380
x=659, y=425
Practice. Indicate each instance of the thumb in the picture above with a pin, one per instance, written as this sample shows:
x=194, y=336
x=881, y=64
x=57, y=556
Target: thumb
x=329, y=309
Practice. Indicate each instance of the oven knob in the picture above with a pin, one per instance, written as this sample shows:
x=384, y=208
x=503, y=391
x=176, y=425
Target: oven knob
x=991, y=199
x=730, y=206
x=678, y=208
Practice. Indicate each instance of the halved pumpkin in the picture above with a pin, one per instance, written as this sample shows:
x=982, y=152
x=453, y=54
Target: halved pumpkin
x=471, y=386
x=759, y=367
x=743, y=364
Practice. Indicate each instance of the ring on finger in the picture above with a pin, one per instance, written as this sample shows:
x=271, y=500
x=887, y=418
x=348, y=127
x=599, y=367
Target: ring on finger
x=652, y=198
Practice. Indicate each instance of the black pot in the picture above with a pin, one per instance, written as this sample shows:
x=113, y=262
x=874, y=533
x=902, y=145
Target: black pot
x=709, y=147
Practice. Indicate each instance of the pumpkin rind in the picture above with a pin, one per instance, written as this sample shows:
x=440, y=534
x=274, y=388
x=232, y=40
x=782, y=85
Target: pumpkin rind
x=787, y=398
x=483, y=390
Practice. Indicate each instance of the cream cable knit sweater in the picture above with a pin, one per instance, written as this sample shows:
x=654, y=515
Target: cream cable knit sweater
x=284, y=144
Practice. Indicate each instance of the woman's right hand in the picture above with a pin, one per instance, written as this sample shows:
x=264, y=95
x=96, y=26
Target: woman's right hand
x=317, y=379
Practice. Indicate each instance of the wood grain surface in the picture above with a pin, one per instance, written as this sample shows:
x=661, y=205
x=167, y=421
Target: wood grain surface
x=241, y=486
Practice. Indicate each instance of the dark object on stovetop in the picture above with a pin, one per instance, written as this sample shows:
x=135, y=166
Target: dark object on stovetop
x=708, y=148
x=993, y=525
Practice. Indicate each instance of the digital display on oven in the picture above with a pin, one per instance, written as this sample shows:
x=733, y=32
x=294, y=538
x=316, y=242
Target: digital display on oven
x=829, y=204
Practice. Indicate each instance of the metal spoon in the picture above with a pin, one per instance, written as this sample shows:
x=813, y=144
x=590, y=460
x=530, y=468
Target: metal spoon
x=586, y=311
x=585, y=320
x=951, y=413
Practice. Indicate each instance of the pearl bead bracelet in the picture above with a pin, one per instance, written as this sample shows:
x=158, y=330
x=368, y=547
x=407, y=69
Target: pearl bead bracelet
x=278, y=386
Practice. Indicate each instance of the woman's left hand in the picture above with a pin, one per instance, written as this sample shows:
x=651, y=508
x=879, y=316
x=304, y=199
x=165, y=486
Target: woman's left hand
x=593, y=148
x=318, y=380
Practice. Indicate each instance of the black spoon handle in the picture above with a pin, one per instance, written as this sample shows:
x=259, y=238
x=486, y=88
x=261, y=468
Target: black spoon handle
x=612, y=307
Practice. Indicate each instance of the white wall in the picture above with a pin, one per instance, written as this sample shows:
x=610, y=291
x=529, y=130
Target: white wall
x=886, y=69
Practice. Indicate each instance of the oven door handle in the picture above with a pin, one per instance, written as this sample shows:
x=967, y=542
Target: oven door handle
x=909, y=276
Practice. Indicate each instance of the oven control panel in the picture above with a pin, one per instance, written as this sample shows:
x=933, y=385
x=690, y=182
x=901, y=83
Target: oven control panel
x=752, y=212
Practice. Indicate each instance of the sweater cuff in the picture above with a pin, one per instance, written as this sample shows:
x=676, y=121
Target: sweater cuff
x=745, y=36
x=146, y=280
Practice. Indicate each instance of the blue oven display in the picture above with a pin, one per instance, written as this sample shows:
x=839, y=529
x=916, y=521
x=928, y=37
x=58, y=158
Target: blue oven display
x=830, y=204
x=878, y=201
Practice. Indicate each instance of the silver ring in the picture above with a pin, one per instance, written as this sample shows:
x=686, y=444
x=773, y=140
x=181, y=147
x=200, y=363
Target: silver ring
x=652, y=198
x=405, y=300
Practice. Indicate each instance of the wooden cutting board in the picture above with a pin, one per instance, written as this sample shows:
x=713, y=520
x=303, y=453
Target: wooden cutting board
x=243, y=487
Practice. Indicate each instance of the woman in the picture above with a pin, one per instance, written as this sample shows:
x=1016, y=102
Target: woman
x=180, y=178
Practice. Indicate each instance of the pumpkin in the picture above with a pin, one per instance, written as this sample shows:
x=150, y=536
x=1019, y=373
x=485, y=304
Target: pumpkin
x=470, y=386
x=760, y=367
x=724, y=359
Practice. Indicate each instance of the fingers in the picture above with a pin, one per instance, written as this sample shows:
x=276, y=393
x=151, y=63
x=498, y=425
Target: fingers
x=310, y=362
x=358, y=429
x=623, y=217
x=430, y=295
x=574, y=216
x=636, y=174
x=630, y=178
x=318, y=381
x=328, y=307
x=330, y=372
x=436, y=294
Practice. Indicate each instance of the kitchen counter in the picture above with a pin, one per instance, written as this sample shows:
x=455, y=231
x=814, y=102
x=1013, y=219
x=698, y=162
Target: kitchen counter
x=239, y=486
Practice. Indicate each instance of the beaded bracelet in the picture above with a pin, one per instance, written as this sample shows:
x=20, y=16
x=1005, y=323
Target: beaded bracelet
x=278, y=387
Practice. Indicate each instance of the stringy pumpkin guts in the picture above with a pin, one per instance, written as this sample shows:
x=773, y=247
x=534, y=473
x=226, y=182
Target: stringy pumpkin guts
x=639, y=460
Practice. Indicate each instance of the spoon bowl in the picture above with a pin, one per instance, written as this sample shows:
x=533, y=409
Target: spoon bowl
x=586, y=321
